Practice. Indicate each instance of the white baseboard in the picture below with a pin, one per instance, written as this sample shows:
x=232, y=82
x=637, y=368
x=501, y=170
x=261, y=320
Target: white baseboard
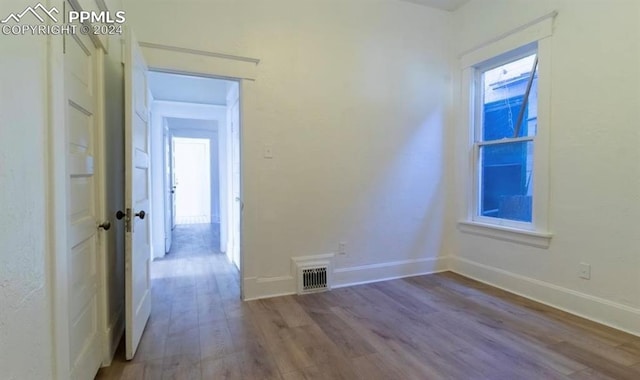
x=267, y=287
x=365, y=274
x=616, y=315
x=112, y=337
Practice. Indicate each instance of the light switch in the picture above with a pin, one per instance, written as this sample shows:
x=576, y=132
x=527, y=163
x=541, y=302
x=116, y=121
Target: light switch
x=585, y=271
x=268, y=151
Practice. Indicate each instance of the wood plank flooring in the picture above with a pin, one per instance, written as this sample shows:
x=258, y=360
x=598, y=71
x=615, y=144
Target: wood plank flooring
x=441, y=326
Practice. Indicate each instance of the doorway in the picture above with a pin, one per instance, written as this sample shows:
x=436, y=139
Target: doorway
x=195, y=144
x=193, y=180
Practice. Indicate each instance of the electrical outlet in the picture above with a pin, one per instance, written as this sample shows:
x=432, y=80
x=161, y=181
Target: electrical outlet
x=342, y=248
x=585, y=271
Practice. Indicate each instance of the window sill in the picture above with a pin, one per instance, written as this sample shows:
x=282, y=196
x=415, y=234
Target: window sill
x=532, y=238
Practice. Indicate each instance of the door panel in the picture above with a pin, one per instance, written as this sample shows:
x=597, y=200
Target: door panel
x=82, y=234
x=137, y=198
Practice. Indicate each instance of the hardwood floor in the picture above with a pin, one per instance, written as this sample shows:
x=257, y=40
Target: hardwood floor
x=441, y=326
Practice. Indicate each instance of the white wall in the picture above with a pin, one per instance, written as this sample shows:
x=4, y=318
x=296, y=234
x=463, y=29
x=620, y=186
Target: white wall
x=229, y=229
x=25, y=306
x=352, y=95
x=594, y=159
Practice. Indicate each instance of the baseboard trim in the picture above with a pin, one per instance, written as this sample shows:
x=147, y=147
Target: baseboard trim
x=600, y=310
x=112, y=335
x=266, y=287
x=365, y=274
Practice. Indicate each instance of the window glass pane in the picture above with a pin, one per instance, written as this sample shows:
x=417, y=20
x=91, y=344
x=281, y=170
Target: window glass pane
x=506, y=186
x=504, y=88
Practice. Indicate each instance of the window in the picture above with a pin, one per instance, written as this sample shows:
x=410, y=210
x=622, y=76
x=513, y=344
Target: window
x=505, y=126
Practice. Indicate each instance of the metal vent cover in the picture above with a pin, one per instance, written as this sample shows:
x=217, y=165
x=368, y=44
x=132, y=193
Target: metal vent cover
x=312, y=274
x=314, y=279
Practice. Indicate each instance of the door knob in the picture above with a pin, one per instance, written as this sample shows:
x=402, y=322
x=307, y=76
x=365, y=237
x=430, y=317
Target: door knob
x=140, y=214
x=105, y=225
x=120, y=215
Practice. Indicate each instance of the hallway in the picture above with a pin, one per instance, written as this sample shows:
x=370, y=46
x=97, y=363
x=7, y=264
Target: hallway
x=196, y=301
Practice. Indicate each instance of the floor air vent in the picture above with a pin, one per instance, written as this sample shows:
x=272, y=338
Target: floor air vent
x=314, y=279
x=313, y=273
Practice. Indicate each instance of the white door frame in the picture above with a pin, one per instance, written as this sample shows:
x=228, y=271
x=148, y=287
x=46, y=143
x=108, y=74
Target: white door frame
x=57, y=191
x=176, y=60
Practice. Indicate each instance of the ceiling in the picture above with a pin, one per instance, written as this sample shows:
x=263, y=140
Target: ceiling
x=447, y=5
x=188, y=89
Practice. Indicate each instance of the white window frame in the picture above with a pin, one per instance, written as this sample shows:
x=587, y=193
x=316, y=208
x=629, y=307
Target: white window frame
x=478, y=143
x=533, y=37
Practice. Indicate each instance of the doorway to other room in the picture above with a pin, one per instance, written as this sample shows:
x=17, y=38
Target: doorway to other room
x=195, y=160
x=196, y=207
x=194, y=183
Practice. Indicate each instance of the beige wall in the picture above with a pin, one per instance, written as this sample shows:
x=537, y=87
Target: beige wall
x=353, y=97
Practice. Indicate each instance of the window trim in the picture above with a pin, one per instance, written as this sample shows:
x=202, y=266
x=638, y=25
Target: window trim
x=534, y=36
x=515, y=235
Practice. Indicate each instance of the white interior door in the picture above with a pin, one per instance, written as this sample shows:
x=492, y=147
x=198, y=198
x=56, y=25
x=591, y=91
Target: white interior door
x=137, y=197
x=82, y=260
